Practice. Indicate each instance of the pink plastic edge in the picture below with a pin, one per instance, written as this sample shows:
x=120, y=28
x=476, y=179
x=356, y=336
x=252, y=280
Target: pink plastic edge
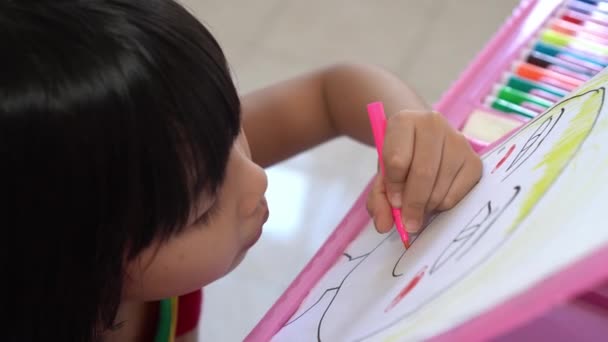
x=470, y=88
x=351, y=225
x=576, y=279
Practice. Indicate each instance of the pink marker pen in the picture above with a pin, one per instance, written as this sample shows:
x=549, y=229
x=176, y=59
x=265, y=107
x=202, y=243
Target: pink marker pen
x=377, y=120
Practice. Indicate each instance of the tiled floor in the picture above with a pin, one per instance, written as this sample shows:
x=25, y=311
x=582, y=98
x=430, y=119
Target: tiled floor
x=427, y=43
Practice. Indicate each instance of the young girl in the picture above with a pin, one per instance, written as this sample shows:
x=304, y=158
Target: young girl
x=132, y=172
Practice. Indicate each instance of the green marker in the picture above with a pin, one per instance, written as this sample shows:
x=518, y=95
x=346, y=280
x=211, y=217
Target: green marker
x=508, y=107
x=520, y=98
x=529, y=86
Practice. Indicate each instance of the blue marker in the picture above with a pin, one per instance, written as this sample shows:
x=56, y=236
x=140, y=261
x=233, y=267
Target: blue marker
x=600, y=5
x=571, y=56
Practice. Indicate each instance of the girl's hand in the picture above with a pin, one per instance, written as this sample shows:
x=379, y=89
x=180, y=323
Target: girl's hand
x=429, y=166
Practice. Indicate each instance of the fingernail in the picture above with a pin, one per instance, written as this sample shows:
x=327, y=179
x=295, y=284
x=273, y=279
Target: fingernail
x=412, y=226
x=395, y=200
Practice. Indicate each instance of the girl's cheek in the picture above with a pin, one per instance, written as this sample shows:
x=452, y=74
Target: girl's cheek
x=248, y=206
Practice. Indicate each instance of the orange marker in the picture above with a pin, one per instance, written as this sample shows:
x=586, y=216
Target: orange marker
x=536, y=73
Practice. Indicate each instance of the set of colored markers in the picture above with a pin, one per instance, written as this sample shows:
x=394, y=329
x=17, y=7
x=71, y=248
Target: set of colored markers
x=568, y=50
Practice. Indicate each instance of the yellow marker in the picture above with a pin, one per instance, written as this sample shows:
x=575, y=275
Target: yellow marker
x=562, y=40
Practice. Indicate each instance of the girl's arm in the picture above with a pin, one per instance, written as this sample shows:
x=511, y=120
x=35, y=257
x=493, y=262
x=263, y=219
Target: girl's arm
x=294, y=115
x=429, y=165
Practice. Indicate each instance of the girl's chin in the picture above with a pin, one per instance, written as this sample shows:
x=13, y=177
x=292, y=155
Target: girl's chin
x=237, y=261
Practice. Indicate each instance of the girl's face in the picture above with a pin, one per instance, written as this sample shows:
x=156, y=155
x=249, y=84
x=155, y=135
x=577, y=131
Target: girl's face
x=209, y=247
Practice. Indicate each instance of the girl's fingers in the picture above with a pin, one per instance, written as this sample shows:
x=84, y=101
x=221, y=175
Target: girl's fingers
x=423, y=172
x=450, y=166
x=397, y=155
x=378, y=207
x=465, y=180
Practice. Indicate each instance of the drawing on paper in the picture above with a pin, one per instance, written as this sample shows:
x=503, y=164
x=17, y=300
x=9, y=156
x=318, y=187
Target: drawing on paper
x=473, y=231
x=385, y=285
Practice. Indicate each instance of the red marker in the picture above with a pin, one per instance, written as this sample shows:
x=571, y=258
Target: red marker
x=407, y=289
x=504, y=158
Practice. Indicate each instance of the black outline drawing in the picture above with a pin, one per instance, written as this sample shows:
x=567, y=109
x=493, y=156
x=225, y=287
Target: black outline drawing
x=337, y=288
x=361, y=257
x=601, y=90
x=517, y=189
x=531, y=143
x=470, y=230
x=426, y=224
x=351, y=258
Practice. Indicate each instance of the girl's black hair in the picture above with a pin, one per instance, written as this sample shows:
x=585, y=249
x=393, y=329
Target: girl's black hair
x=115, y=115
